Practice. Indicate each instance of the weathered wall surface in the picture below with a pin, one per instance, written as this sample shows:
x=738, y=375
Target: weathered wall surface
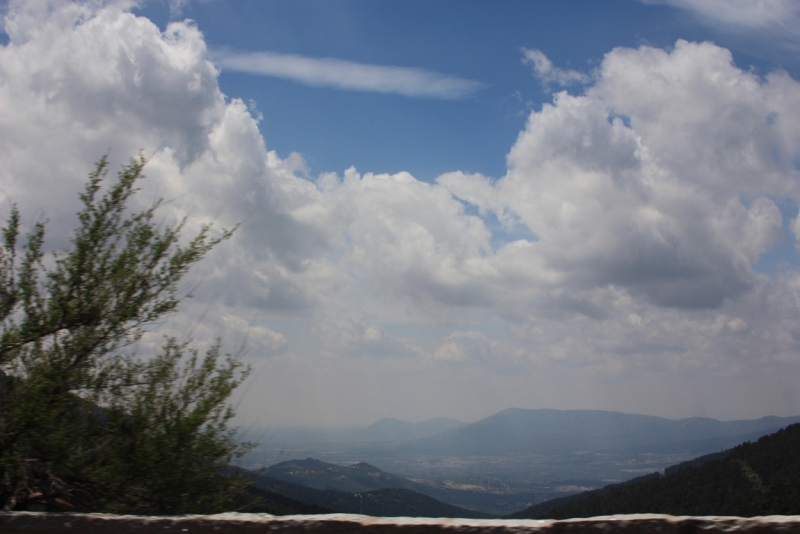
x=39, y=523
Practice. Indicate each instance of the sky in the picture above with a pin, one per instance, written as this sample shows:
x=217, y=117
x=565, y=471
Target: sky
x=447, y=208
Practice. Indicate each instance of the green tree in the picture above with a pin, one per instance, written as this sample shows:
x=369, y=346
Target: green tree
x=86, y=423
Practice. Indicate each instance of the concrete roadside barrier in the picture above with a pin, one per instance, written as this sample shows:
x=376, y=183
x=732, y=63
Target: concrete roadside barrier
x=236, y=523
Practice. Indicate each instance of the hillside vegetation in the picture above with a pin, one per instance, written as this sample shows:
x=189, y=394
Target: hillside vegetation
x=87, y=424
x=388, y=502
x=260, y=501
x=752, y=479
x=356, y=478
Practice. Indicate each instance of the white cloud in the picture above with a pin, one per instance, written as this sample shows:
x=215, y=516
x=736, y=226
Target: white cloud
x=758, y=14
x=348, y=75
x=773, y=20
x=464, y=346
x=659, y=179
x=176, y=7
x=650, y=197
x=544, y=70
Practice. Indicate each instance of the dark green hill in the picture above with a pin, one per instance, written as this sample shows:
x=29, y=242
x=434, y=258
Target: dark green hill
x=752, y=479
x=263, y=500
x=393, y=502
x=273, y=503
x=354, y=478
x=364, y=477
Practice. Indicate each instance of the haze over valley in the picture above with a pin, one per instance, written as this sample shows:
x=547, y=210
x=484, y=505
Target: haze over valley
x=500, y=464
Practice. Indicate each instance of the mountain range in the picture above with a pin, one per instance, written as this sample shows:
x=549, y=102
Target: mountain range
x=558, y=432
x=515, y=430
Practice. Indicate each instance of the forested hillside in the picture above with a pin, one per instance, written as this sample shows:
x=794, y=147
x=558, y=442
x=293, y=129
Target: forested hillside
x=391, y=502
x=752, y=479
x=356, y=478
x=258, y=501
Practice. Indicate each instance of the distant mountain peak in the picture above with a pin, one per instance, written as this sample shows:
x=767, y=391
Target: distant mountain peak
x=391, y=429
x=388, y=421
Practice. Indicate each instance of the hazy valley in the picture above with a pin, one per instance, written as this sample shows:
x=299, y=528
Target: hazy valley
x=500, y=464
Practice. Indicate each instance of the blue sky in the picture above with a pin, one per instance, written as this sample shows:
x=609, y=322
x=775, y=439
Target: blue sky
x=448, y=208
x=474, y=40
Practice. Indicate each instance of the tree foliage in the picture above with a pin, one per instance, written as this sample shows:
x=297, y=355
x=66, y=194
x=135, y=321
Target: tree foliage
x=85, y=422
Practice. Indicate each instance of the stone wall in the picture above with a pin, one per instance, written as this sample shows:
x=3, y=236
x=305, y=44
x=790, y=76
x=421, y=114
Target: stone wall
x=40, y=523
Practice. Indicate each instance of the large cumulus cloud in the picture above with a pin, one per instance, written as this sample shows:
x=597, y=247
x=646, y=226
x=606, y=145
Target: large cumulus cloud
x=660, y=179
x=647, y=198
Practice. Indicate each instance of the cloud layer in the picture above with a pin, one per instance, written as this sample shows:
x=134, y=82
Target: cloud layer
x=776, y=21
x=347, y=75
x=755, y=14
x=647, y=200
